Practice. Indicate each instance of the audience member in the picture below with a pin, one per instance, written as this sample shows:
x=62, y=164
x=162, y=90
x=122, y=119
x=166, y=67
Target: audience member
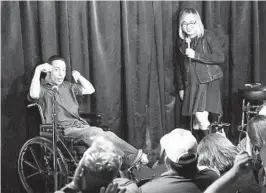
x=256, y=129
x=262, y=171
x=256, y=139
x=128, y=185
x=216, y=152
x=242, y=166
x=180, y=148
x=112, y=188
x=98, y=167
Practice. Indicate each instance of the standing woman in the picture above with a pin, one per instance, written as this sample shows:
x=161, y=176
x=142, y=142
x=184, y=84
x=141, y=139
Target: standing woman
x=199, y=73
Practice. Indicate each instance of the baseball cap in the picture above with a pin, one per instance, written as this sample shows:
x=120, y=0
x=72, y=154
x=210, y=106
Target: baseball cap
x=179, y=143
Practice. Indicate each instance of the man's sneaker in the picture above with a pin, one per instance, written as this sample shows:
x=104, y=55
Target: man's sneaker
x=134, y=160
x=144, y=159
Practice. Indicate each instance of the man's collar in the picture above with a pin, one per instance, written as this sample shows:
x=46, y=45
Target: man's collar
x=48, y=83
x=45, y=82
x=169, y=173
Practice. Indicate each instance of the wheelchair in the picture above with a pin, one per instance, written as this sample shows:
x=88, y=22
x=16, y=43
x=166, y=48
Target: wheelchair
x=36, y=164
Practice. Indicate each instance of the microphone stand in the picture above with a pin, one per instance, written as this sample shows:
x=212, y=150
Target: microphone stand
x=188, y=40
x=54, y=141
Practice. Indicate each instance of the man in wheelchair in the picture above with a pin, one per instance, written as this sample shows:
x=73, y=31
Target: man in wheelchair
x=53, y=86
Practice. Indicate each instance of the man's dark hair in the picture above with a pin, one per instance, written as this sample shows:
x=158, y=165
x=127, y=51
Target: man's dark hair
x=185, y=170
x=49, y=61
x=55, y=57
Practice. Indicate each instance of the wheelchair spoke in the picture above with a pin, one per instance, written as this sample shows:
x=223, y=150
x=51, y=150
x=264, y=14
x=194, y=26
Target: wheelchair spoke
x=36, y=168
x=34, y=174
x=35, y=159
x=30, y=164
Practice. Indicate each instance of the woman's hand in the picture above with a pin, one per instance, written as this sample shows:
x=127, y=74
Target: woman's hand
x=190, y=53
x=181, y=94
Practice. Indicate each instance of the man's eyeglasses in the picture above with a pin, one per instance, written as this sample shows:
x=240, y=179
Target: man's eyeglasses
x=185, y=24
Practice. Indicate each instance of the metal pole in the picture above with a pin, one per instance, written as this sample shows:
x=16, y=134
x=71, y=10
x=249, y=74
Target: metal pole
x=243, y=113
x=54, y=141
x=242, y=119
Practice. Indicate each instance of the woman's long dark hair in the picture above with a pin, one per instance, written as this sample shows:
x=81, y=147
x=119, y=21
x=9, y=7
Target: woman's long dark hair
x=256, y=128
x=216, y=151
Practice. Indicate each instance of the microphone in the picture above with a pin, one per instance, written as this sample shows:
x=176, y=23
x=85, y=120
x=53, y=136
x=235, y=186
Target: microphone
x=55, y=88
x=188, y=40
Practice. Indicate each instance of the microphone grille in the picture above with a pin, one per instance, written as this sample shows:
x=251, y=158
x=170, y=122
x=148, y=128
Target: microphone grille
x=55, y=88
x=188, y=40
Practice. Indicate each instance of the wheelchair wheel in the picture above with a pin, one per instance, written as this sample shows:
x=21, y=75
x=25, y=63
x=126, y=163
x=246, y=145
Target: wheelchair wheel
x=35, y=166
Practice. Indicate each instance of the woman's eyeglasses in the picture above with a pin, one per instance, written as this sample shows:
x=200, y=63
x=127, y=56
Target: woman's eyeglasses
x=185, y=24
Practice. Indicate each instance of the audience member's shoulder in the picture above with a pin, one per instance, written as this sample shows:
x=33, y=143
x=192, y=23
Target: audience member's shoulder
x=205, y=177
x=131, y=187
x=208, y=173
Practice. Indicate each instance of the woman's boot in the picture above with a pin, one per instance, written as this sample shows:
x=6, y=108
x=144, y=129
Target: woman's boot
x=196, y=134
x=202, y=134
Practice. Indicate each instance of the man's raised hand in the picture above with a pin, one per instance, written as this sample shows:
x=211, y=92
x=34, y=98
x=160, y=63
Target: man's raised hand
x=76, y=75
x=45, y=67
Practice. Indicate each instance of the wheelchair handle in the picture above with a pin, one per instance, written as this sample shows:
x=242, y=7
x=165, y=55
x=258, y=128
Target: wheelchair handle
x=32, y=105
x=40, y=110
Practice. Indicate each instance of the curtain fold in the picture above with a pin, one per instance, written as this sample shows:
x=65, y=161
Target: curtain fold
x=48, y=28
x=129, y=51
x=13, y=109
x=105, y=46
x=255, y=39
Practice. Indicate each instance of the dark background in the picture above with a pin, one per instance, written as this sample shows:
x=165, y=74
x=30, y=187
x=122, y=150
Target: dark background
x=128, y=51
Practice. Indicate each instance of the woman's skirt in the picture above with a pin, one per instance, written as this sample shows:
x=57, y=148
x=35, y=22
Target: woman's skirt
x=201, y=97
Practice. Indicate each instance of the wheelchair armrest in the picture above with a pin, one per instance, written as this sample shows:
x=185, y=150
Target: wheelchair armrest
x=46, y=130
x=94, y=119
x=94, y=116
